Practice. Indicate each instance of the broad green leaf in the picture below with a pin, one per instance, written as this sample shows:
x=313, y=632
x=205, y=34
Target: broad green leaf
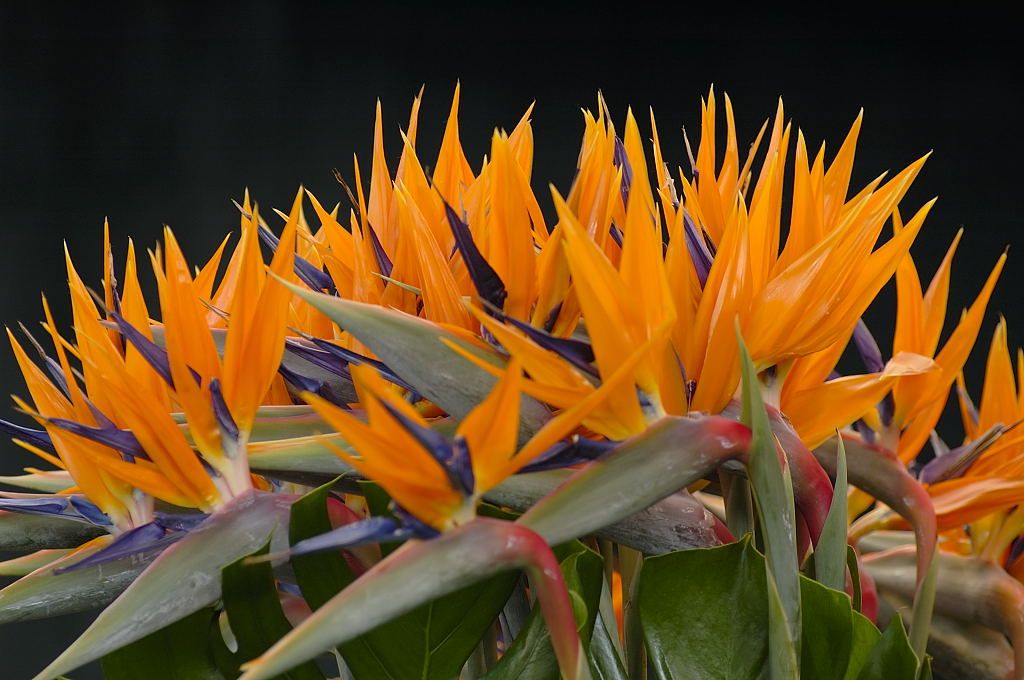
x=43, y=594
x=830, y=555
x=773, y=496
x=863, y=639
x=531, y=656
x=891, y=658
x=825, y=652
x=436, y=638
x=182, y=580
x=254, y=614
x=853, y=565
x=605, y=662
x=21, y=533
x=669, y=455
x=180, y=650
x=415, y=349
x=704, y=613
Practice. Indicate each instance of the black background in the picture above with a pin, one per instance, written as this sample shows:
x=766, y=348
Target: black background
x=159, y=115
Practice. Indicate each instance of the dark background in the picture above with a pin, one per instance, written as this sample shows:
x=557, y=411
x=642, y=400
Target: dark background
x=159, y=115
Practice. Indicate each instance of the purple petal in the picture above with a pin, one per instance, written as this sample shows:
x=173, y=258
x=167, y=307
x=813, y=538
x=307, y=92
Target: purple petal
x=621, y=160
x=367, y=531
x=307, y=384
x=89, y=510
x=954, y=464
x=116, y=438
x=37, y=438
x=308, y=273
x=383, y=261
x=52, y=367
x=124, y=545
x=222, y=413
x=866, y=346
x=697, y=245
x=359, y=359
x=487, y=282
x=564, y=454
x=616, y=234
x=577, y=352
x=455, y=463
x=319, y=358
x=154, y=355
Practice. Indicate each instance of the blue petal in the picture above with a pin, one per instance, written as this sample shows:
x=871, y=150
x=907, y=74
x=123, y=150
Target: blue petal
x=309, y=273
x=621, y=160
x=306, y=384
x=364, y=532
x=37, y=438
x=455, y=464
x=486, y=281
x=154, y=355
x=580, y=450
x=129, y=543
x=577, y=352
x=114, y=437
x=697, y=245
x=319, y=358
x=383, y=261
x=866, y=346
x=222, y=413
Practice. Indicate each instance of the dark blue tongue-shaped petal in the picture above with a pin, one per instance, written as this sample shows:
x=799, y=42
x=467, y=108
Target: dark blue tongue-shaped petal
x=114, y=437
x=365, y=532
x=869, y=353
x=308, y=273
x=221, y=412
x=621, y=160
x=697, y=245
x=319, y=358
x=383, y=261
x=488, y=284
x=37, y=438
x=577, y=352
x=564, y=454
x=124, y=545
x=52, y=367
x=616, y=234
x=307, y=384
x=356, y=358
x=455, y=463
x=956, y=462
x=70, y=506
x=154, y=354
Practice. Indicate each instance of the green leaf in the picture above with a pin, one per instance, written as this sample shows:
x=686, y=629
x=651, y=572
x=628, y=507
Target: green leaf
x=255, y=616
x=853, y=565
x=773, y=497
x=863, y=639
x=531, y=656
x=435, y=638
x=704, y=613
x=825, y=652
x=183, y=579
x=180, y=650
x=605, y=662
x=891, y=658
x=415, y=349
x=830, y=555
